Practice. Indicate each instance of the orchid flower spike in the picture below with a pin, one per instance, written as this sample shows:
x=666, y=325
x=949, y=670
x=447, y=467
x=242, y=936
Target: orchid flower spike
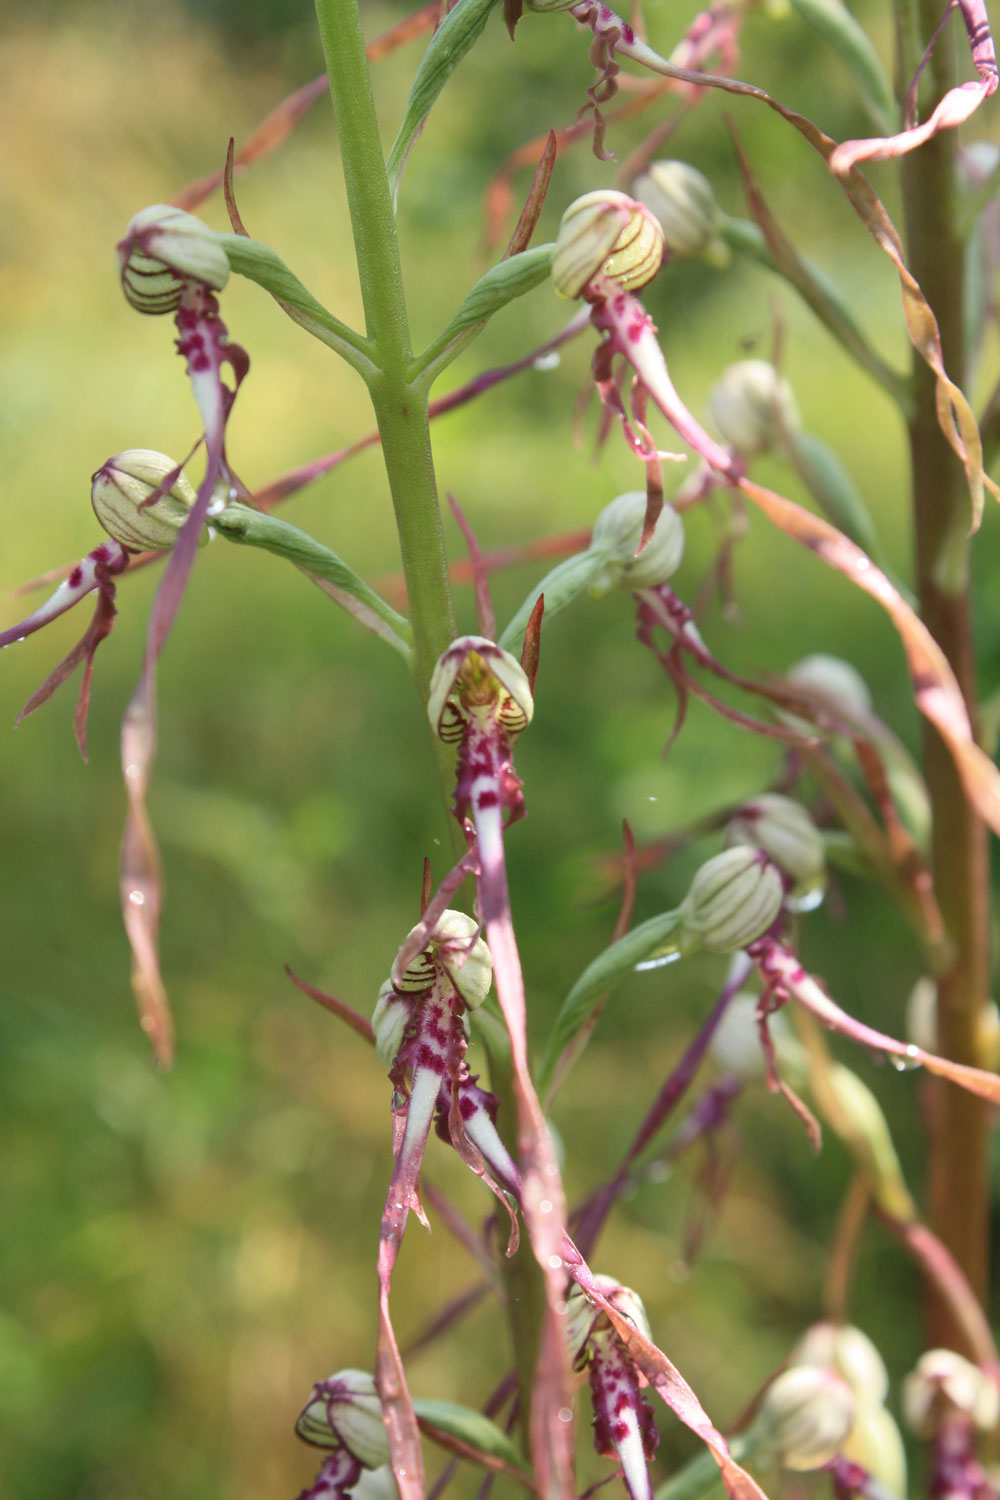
x=623, y=1423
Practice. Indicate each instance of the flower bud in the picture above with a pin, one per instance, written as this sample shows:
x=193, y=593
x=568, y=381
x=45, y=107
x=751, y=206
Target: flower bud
x=464, y=956
x=606, y=234
x=856, y=1115
x=785, y=832
x=944, y=1385
x=389, y=1021
x=805, y=1418
x=921, y=1024
x=586, y=1321
x=875, y=1442
x=736, y=1046
x=164, y=248
x=476, y=679
x=833, y=681
x=850, y=1354
x=733, y=899
x=753, y=407
x=121, y=486
x=684, y=203
x=616, y=536
x=345, y=1411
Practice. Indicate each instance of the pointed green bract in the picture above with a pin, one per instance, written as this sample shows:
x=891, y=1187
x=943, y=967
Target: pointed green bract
x=459, y=31
x=501, y=284
x=648, y=940
x=473, y=1428
x=259, y=263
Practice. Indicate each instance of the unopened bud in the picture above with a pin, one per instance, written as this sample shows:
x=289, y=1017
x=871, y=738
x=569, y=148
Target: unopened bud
x=832, y=681
x=586, y=1321
x=733, y=899
x=683, y=200
x=616, y=535
x=805, y=1418
x=753, y=407
x=944, y=1385
x=922, y=1023
x=850, y=1354
x=121, y=487
x=853, y=1111
x=785, y=832
x=345, y=1411
x=736, y=1044
x=389, y=1020
x=476, y=679
x=606, y=234
x=163, y=249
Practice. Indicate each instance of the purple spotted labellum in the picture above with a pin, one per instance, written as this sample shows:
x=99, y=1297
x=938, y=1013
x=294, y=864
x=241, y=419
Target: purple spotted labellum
x=420, y=1033
x=337, y=1477
x=480, y=700
x=623, y=1422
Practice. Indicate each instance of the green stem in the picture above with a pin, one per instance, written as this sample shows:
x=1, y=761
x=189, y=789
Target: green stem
x=959, y=1124
x=400, y=409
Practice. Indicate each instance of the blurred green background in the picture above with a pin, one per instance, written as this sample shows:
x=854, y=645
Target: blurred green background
x=184, y=1254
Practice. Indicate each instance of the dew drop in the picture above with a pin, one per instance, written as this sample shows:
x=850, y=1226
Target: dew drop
x=132, y=772
x=555, y=1261
x=907, y=1062
x=136, y=898
x=545, y=1207
x=863, y=564
x=660, y=960
x=550, y=361
x=565, y=1415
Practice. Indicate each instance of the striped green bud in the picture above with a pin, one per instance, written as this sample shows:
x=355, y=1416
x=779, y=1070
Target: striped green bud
x=164, y=248
x=606, y=235
x=119, y=492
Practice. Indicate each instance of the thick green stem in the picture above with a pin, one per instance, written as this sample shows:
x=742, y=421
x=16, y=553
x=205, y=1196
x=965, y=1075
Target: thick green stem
x=400, y=409
x=959, y=1124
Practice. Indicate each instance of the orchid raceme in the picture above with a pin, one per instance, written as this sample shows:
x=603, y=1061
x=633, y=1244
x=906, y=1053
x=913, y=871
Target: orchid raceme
x=825, y=812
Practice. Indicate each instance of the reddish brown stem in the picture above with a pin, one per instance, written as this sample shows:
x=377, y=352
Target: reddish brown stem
x=959, y=1123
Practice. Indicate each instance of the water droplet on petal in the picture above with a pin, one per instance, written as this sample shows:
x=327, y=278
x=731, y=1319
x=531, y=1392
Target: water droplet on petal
x=565, y=1415
x=555, y=1261
x=132, y=772
x=136, y=898
x=548, y=361
x=545, y=1207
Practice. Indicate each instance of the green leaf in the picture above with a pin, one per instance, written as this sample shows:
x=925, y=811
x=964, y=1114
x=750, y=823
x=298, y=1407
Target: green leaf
x=854, y=47
x=652, y=939
x=260, y=264
x=501, y=284
x=700, y=1476
x=560, y=587
x=473, y=1429
x=459, y=30
x=254, y=528
x=834, y=491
